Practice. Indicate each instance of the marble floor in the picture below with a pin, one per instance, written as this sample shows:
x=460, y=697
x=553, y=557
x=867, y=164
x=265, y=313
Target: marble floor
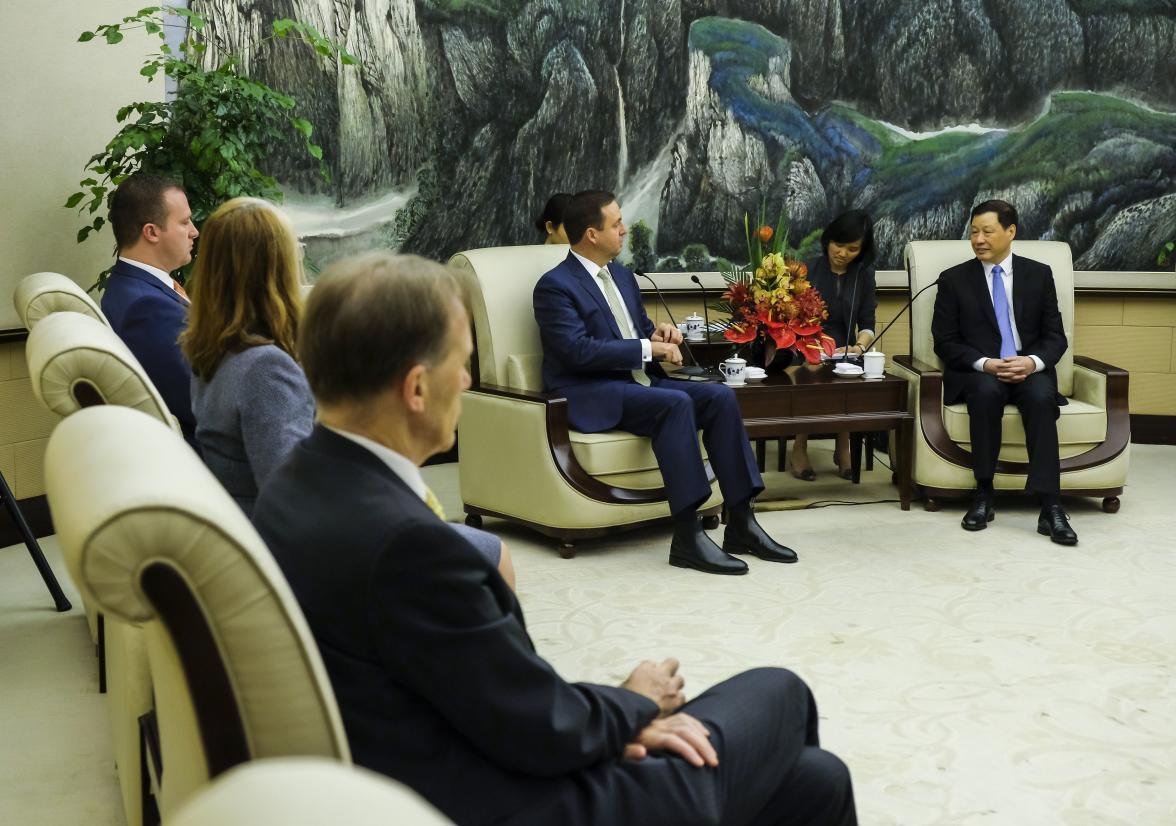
x=987, y=678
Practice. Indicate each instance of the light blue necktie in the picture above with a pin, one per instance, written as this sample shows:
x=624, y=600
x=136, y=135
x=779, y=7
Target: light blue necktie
x=1000, y=303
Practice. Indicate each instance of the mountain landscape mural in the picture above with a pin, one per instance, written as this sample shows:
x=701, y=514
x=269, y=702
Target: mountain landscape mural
x=465, y=115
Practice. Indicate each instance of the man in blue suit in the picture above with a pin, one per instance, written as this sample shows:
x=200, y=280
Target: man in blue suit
x=600, y=351
x=147, y=308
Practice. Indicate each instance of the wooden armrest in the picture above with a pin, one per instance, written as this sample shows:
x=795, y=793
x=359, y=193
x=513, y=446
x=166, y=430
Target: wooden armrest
x=517, y=394
x=1100, y=366
x=913, y=364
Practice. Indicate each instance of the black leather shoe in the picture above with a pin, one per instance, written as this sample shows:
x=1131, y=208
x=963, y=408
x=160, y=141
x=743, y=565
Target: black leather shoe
x=745, y=536
x=982, y=512
x=1054, y=524
x=698, y=551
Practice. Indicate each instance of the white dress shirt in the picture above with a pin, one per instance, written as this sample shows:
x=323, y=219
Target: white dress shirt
x=1006, y=278
x=594, y=271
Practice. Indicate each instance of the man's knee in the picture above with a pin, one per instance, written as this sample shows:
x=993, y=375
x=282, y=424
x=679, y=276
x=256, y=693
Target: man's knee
x=985, y=391
x=823, y=780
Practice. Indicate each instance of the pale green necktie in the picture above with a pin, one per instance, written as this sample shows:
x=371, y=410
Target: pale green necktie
x=618, y=310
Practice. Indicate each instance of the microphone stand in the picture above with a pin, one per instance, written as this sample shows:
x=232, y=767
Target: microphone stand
x=934, y=283
x=705, y=314
x=695, y=371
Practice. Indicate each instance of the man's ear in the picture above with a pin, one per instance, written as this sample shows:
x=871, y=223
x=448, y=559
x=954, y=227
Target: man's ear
x=1013, y=230
x=150, y=233
x=414, y=389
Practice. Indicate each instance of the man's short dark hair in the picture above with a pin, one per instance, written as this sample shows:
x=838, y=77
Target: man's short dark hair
x=136, y=202
x=1006, y=213
x=370, y=319
x=586, y=209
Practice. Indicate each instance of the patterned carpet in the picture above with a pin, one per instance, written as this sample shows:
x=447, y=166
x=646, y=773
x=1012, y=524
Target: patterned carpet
x=988, y=678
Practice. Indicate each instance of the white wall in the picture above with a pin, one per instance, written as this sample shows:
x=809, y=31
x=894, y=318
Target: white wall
x=57, y=104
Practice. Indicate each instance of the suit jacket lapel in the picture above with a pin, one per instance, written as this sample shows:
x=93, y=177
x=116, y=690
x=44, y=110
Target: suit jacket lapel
x=131, y=271
x=589, y=284
x=1019, y=284
x=982, y=295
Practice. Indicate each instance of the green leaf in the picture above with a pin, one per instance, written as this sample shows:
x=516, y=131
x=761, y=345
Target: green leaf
x=149, y=70
x=86, y=37
x=281, y=27
x=302, y=125
x=84, y=233
x=113, y=35
x=348, y=59
x=74, y=200
x=88, y=182
x=315, y=151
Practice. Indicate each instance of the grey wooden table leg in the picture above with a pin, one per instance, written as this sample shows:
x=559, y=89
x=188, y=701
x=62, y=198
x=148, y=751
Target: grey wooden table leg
x=59, y=600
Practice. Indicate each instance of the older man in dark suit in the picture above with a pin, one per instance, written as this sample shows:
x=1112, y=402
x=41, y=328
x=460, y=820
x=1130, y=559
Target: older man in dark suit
x=148, y=308
x=437, y=679
x=999, y=332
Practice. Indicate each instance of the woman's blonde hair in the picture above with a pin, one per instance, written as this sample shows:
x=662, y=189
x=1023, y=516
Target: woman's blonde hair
x=245, y=287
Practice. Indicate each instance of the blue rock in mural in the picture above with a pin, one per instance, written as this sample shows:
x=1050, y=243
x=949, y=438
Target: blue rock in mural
x=467, y=114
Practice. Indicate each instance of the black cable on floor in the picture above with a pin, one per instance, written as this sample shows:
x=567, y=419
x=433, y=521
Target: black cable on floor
x=826, y=503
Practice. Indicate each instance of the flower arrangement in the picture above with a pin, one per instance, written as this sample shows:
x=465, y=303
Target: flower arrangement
x=770, y=300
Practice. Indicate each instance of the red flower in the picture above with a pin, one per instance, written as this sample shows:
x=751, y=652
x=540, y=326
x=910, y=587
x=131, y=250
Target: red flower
x=740, y=333
x=782, y=335
x=765, y=233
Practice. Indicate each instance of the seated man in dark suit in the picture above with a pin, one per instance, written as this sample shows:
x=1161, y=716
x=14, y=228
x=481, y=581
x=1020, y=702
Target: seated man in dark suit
x=999, y=332
x=147, y=308
x=600, y=350
x=437, y=680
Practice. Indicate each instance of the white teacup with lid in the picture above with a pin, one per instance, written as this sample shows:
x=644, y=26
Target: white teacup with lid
x=734, y=370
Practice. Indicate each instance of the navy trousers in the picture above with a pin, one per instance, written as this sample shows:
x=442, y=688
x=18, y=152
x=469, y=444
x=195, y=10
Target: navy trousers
x=771, y=772
x=671, y=413
x=1036, y=399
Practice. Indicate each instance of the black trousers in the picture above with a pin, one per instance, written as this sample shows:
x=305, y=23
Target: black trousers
x=1036, y=399
x=771, y=772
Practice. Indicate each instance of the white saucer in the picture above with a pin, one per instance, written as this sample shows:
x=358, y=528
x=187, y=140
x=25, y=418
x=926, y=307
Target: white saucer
x=847, y=370
x=695, y=340
x=755, y=378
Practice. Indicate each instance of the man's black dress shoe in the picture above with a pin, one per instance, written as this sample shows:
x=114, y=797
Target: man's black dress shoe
x=982, y=512
x=745, y=536
x=698, y=551
x=1054, y=524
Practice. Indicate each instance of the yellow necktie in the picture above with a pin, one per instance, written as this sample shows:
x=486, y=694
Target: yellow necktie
x=178, y=287
x=434, y=503
x=614, y=302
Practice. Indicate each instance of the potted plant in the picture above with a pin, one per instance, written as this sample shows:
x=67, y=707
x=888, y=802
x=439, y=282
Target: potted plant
x=213, y=135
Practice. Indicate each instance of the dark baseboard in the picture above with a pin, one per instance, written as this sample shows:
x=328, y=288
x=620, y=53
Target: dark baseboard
x=36, y=513
x=1153, y=430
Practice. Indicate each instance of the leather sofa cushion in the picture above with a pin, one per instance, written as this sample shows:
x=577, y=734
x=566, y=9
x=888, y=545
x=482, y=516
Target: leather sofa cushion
x=613, y=451
x=1080, y=424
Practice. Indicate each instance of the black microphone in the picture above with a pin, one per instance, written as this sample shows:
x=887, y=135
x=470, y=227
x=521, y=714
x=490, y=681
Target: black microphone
x=705, y=314
x=696, y=370
x=903, y=310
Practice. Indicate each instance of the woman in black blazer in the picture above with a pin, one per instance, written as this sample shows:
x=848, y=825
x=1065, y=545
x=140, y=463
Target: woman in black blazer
x=844, y=276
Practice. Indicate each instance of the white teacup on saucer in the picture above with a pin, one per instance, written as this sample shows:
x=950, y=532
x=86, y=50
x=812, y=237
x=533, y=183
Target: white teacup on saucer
x=755, y=373
x=844, y=368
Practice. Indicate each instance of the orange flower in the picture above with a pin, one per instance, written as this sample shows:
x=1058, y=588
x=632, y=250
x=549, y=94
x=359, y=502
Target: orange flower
x=764, y=233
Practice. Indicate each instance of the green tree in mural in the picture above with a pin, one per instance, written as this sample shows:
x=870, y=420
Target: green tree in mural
x=641, y=247
x=696, y=258
x=213, y=136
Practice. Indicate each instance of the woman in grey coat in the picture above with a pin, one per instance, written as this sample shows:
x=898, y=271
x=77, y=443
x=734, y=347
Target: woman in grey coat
x=249, y=395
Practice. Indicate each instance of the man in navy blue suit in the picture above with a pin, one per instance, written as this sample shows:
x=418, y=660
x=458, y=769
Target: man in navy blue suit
x=147, y=308
x=600, y=351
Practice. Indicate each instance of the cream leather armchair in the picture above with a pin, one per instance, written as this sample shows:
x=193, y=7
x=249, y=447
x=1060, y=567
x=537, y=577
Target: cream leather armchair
x=76, y=361
x=152, y=538
x=302, y=791
x=517, y=457
x=1094, y=430
x=44, y=293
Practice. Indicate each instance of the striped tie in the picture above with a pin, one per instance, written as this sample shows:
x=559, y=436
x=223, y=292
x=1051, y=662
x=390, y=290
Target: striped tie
x=614, y=302
x=1000, y=304
x=434, y=503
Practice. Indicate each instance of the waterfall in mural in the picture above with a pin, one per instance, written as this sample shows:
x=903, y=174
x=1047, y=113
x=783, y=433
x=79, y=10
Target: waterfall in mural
x=698, y=112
